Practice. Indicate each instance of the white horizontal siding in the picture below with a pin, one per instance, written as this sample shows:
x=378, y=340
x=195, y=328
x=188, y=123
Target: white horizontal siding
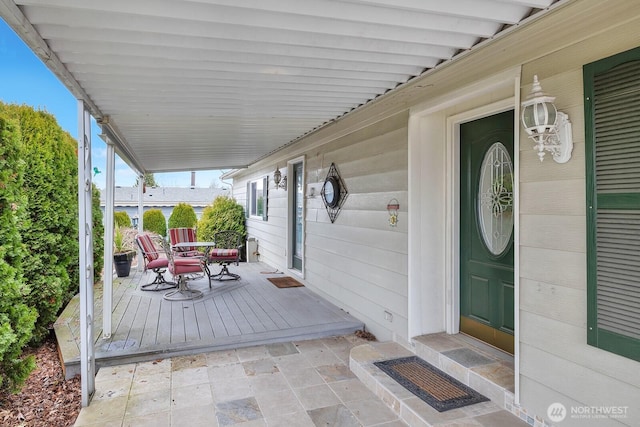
x=556, y=364
x=564, y=197
x=359, y=262
x=540, y=231
x=552, y=301
x=566, y=341
x=368, y=309
x=541, y=396
x=587, y=387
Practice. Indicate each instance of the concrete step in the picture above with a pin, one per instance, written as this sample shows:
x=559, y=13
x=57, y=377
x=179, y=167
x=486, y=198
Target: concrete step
x=418, y=413
x=483, y=368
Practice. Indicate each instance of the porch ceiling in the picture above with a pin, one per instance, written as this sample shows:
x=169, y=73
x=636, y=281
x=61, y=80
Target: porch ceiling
x=207, y=84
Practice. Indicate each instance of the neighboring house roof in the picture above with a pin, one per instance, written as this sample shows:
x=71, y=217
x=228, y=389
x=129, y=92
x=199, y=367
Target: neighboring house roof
x=165, y=196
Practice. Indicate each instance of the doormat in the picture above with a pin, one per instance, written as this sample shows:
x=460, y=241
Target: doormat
x=285, y=282
x=430, y=384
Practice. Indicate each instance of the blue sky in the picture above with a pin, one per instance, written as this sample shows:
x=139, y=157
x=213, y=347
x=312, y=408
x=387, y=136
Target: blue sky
x=24, y=79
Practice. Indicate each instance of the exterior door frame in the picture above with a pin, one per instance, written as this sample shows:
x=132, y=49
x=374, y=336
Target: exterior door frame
x=291, y=218
x=452, y=284
x=434, y=179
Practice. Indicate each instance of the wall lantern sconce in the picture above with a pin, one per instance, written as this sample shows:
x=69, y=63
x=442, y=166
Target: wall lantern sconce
x=279, y=180
x=549, y=128
x=392, y=207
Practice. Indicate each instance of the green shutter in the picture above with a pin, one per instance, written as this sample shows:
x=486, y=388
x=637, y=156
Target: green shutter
x=612, y=112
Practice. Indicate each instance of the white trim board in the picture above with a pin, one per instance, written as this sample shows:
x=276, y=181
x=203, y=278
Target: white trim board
x=434, y=187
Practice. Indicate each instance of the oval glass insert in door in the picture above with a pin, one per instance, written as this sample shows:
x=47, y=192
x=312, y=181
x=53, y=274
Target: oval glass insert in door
x=495, y=199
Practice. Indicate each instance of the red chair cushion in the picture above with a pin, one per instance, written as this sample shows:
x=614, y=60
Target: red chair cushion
x=218, y=254
x=158, y=263
x=149, y=249
x=182, y=235
x=182, y=265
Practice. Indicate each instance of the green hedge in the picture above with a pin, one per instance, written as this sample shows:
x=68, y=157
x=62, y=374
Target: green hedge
x=154, y=221
x=51, y=187
x=122, y=219
x=39, y=254
x=183, y=215
x=223, y=214
x=17, y=320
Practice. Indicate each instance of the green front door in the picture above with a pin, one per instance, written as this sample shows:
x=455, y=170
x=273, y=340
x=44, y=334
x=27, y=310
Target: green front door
x=486, y=230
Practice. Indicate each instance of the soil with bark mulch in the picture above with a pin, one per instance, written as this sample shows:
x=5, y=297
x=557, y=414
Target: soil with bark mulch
x=46, y=399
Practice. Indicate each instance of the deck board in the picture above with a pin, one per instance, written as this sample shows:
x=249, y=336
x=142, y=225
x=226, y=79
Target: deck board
x=190, y=321
x=276, y=304
x=202, y=320
x=230, y=325
x=151, y=323
x=177, y=323
x=249, y=314
x=237, y=315
x=258, y=310
x=217, y=325
x=139, y=324
x=164, y=323
x=231, y=314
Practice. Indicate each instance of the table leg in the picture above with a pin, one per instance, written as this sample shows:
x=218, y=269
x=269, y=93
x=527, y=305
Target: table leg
x=183, y=293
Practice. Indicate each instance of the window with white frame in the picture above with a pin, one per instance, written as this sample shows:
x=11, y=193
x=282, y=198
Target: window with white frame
x=257, y=199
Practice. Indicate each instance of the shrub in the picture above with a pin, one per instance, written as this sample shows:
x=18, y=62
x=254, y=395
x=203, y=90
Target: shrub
x=17, y=320
x=223, y=214
x=154, y=221
x=98, y=235
x=51, y=189
x=121, y=219
x=183, y=215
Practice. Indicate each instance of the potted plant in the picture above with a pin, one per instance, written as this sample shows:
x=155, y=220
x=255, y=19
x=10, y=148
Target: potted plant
x=123, y=252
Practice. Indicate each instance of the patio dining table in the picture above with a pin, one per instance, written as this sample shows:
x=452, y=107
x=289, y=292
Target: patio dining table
x=183, y=289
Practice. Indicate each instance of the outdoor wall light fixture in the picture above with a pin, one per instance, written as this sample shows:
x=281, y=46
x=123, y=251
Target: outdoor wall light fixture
x=279, y=180
x=393, y=207
x=549, y=128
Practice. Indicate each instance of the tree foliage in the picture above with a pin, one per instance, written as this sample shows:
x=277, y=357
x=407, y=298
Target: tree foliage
x=17, y=320
x=51, y=188
x=149, y=180
x=223, y=214
x=121, y=219
x=154, y=221
x=183, y=215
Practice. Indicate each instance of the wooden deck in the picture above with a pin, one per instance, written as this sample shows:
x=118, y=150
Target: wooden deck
x=247, y=312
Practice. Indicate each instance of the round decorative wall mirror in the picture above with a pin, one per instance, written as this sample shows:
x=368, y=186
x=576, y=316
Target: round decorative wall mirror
x=333, y=192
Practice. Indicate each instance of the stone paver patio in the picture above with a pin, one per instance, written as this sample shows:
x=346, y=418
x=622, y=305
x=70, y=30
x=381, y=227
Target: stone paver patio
x=306, y=383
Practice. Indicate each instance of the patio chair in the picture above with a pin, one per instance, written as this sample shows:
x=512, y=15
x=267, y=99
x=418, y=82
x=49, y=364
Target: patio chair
x=184, y=268
x=183, y=235
x=154, y=262
x=226, y=252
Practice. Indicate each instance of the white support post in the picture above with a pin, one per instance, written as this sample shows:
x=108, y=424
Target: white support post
x=140, y=215
x=107, y=292
x=85, y=239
